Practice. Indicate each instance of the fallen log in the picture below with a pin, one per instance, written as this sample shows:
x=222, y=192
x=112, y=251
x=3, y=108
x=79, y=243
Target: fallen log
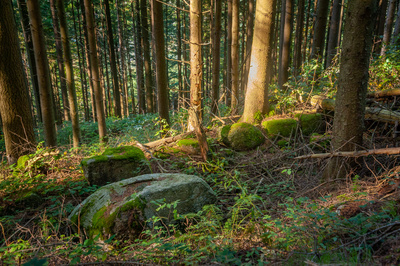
x=387, y=151
x=372, y=113
x=384, y=93
x=162, y=142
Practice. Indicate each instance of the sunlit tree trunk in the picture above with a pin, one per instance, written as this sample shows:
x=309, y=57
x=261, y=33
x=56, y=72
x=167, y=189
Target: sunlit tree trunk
x=161, y=66
x=69, y=71
x=43, y=71
x=139, y=60
x=297, y=59
x=216, y=45
x=14, y=104
x=235, y=57
x=334, y=31
x=228, y=55
x=256, y=102
x=91, y=29
x=348, y=126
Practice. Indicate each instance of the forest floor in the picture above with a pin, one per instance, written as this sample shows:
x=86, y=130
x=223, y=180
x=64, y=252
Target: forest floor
x=271, y=209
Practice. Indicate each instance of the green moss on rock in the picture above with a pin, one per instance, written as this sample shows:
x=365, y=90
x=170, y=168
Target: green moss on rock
x=118, y=153
x=244, y=136
x=223, y=134
x=310, y=123
x=282, y=127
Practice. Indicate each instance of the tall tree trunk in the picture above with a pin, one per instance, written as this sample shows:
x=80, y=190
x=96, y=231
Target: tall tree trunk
x=334, y=31
x=348, y=125
x=14, y=104
x=396, y=32
x=31, y=55
x=229, y=56
x=380, y=25
x=388, y=26
x=69, y=70
x=60, y=61
x=179, y=55
x=91, y=30
x=320, y=29
x=139, y=63
x=161, y=66
x=114, y=72
x=146, y=55
x=43, y=71
x=249, y=40
x=235, y=57
x=256, y=102
x=297, y=59
x=122, y=56
x=285, y=44
x=216, y=45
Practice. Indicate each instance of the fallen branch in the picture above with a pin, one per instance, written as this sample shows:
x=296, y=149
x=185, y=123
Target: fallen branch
x=162, y=142
x=387, y=151
x=384, y=93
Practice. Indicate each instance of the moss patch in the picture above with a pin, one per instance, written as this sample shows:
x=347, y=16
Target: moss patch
x=188, y=142
x=117, y=153
x=223, y=134
x=244, y=136
x=310, y=123
x=283, y=127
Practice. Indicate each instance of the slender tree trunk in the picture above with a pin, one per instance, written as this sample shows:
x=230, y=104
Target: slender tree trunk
x=249, y=41
x=297, y=59
x=91, y=29
x=348, y=126
x=229, y=56
x=31, y=55
x=147, y=61
x=235, y=57
x=307, y=28
x=380, y=25
x=256, y=102
x=139, y=63
x=122, y=56
x=60, y=61
x=186, y=90
x=286, y=41
x=69, y=70
x=43, y=71
x=14, y=104
x=114, y=72
x=320, y=29
x=161, y=66
x=334, y=31
x=388, y=26
x=396, y=32
x=216, y=55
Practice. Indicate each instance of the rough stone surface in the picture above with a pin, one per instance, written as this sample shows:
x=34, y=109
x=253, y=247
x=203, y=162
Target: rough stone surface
x=114, y=164
x=122, y=208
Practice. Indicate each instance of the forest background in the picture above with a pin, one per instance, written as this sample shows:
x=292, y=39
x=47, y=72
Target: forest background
x=85, y=75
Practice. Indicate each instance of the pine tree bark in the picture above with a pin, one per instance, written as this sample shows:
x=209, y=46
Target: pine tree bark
x=31, y=55
x=14, y=104
x=113, y=64
x=235, y=57
x=91, y=30
x=216, y=55
x=388, y=26
x=320, y=29
x=69, y=71
x=179, y=55
x=256, y=102
x=286, y=43
x=43, y=71
x=348, y=126
x=249, y=40
x=228, y=55
x=146, y=55
x=334, y=31
x=297, y=59
x=161, y=66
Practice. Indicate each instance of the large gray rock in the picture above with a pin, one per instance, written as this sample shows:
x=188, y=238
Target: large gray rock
x=114, y=165
x=122, y=208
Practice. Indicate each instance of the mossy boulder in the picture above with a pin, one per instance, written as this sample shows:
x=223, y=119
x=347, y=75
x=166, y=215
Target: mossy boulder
x=122, y=208
x=223, y=134
x=115, y=164
x=279, y=127
x=241, y=136
x=310, y=123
